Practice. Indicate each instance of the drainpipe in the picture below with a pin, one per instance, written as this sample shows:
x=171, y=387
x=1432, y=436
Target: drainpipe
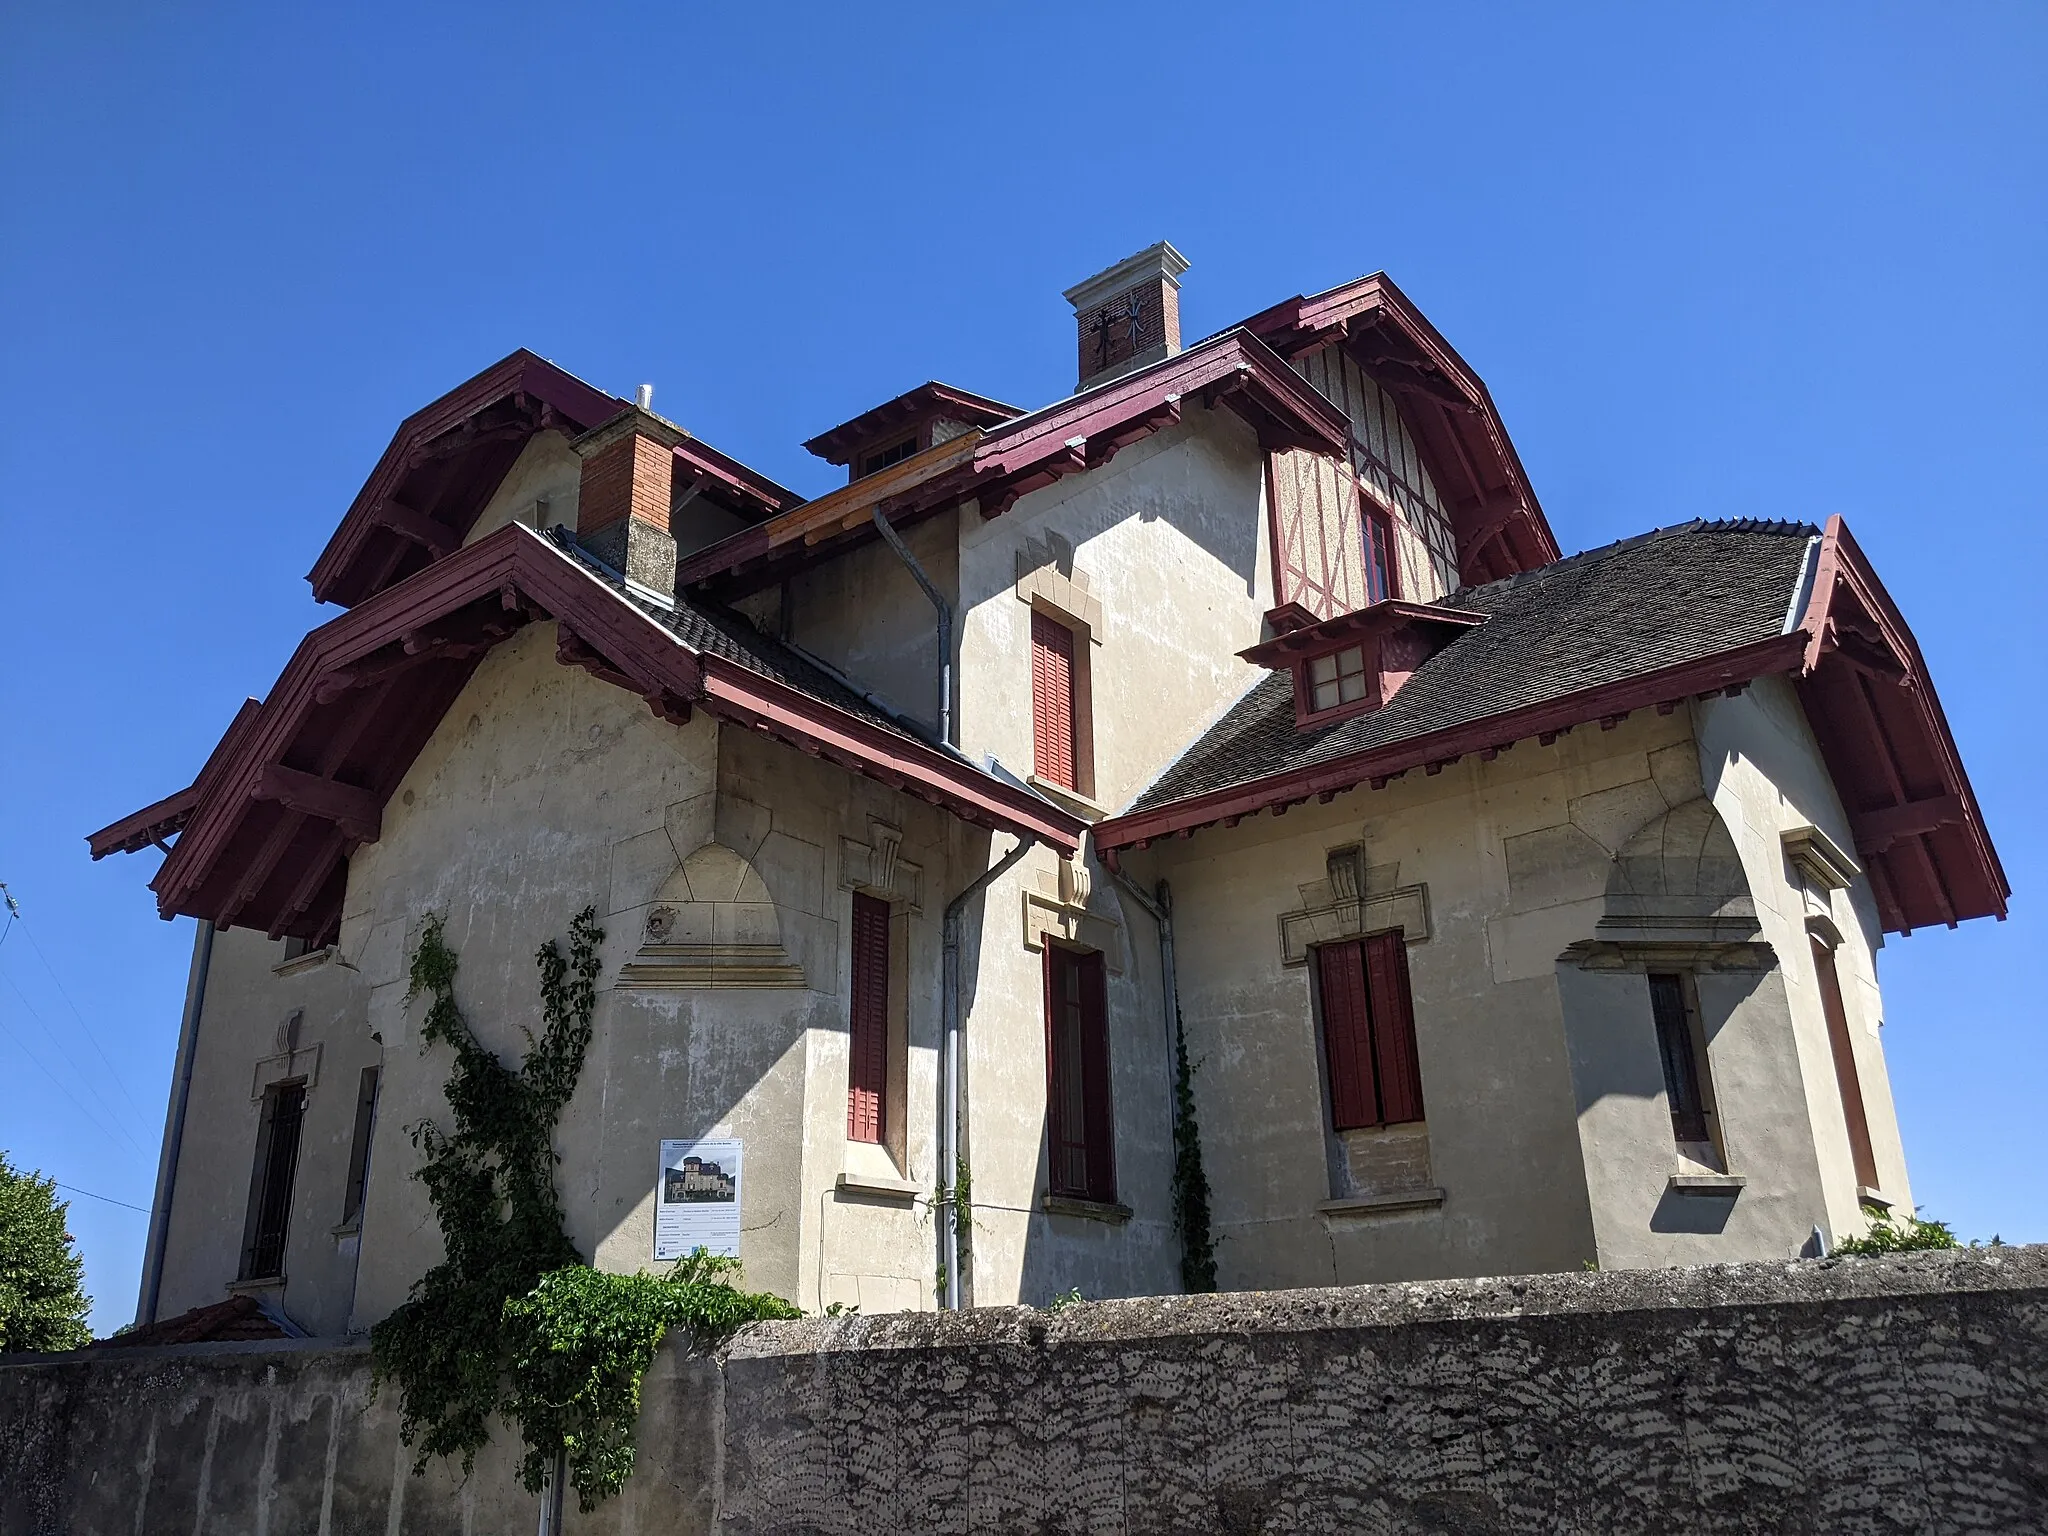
x=174, y=1126
x=945, y=611
x=949, y=1068
x=1160, y=909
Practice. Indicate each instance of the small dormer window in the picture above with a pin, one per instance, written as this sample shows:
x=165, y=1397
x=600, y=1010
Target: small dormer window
x=882, y=458
x=1336, y=679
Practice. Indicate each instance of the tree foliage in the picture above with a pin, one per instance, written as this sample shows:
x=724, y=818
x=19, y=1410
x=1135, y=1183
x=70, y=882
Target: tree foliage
x=511, y=1322
x=43, y=1304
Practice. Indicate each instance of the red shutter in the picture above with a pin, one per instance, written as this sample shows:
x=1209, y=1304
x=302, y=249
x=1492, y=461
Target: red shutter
x=868, y=1020
x=1101, y=1128
x=1393, y=1028
x=1080, y=1132
x=1347, y=1037
x=1052, y=701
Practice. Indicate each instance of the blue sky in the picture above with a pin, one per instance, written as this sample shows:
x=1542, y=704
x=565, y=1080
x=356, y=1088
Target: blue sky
x=1726, y=261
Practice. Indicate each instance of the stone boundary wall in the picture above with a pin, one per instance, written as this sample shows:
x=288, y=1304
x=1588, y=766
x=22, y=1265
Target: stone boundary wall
x=1843, y=1395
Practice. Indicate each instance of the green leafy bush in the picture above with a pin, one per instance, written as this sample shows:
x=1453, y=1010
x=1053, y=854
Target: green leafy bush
x=1889, y=1234
x=578, y=1345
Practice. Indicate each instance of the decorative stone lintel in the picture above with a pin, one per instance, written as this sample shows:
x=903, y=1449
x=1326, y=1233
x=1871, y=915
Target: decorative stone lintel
x=302, y=1062
x=1071, y=924
x=875, y=866
x=1405, y=907
x=1819, y=859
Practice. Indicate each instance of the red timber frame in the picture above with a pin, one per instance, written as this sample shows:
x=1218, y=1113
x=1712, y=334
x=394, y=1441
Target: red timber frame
x=1867, y=695
x=1887, y=744
x=448, y=459
x=996, y=467
x=301, y=781
x=1500, y=525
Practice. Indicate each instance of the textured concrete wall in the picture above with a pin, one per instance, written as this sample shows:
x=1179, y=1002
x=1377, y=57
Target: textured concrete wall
x=1845, y=1395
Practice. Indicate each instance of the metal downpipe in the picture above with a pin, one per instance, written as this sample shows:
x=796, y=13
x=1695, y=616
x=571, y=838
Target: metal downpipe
x=949, y=1064
x=945, y=612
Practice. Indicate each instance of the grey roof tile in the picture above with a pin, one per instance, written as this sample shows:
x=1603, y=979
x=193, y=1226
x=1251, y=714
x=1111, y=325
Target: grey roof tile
x=1675, y=595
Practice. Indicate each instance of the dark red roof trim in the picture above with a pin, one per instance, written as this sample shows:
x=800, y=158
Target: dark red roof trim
x=1280, y=652
x=292, y=795
x=1500, y=525
x=1887, y=744
x=1439, y=749
x=891, y=417
x=151, y=825
x=447, y=459
x=1235, y=370
x=1867, y=694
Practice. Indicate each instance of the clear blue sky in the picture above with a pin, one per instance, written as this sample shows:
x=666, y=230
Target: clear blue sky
x=1713, y=261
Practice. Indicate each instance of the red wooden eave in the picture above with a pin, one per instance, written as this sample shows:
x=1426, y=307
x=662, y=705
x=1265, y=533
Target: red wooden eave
x=448, y=458
x=839, y=444
x=289, y=796
x=1867, y=695
x=1499, y=522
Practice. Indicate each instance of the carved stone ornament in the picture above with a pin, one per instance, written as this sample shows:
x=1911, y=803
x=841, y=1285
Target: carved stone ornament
x=713, y=924
x=876, y=867
x=286, y=1066
x=1060, y=909
x=1354, y=899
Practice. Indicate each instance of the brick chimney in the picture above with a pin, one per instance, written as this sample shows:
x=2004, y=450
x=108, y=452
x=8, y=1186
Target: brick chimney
x=627, y=488
x=1128, y=315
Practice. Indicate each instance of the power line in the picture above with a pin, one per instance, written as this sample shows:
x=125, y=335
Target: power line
x=105, y=1059
x=107, y=1108
x=58, y=1082
x=110, y=1200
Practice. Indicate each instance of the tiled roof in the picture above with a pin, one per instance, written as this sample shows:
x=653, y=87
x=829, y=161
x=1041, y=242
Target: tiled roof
x=237, y=1319
x=1676, y=595
x=714, y=629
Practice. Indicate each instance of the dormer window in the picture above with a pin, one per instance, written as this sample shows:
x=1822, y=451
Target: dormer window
x=1336, y=679
x=1356, y=661
x=882, y=458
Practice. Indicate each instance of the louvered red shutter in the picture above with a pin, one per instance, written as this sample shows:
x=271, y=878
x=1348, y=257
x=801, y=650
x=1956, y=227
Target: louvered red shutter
x=869, y=1020
x=1052, y=701
x=1393, y=1028
x=1347, y=1037
x=1096, y=1108
x=1065, y=1105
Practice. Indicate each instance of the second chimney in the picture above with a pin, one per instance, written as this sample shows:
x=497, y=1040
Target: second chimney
x=1128, y=315
x=623, y=505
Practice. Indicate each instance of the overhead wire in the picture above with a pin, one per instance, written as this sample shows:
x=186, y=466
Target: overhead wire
x=116, y=1129
x=109, y=1199
x=106, y=1060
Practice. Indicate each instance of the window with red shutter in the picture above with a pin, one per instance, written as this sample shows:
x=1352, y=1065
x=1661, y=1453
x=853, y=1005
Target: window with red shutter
x=1369, y=1033
x=868, y=1021
x=1379, y=554
x=1080, y=1129
x=1052, y=702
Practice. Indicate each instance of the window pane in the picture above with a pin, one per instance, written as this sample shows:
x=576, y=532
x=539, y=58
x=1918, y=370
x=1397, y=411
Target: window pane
x=1323, y=669
x=1681, y=1062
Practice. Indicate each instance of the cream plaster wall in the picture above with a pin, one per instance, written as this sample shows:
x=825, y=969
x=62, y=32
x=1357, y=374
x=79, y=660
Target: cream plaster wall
x=1549, y=1132
x=545, y=790
x=547, y=469
x=864, y=613
x=248, y=997
x=1765, y=774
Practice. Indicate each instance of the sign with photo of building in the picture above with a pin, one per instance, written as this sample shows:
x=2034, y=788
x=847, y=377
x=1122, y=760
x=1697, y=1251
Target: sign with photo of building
x=697, y=1199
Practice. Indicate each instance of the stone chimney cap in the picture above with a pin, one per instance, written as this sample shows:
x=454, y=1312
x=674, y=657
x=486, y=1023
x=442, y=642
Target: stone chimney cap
x=635, y=420
x=1155, y=261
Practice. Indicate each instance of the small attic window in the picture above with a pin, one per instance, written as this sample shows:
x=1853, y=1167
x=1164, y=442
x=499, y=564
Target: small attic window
x=1336, y=679
x=882, y=458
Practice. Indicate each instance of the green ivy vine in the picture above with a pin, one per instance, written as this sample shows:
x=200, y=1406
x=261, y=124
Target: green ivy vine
x=1190, y=1181
x=511, y=1322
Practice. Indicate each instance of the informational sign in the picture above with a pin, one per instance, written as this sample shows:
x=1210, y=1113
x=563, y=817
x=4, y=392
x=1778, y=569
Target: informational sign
x=697, y=1199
